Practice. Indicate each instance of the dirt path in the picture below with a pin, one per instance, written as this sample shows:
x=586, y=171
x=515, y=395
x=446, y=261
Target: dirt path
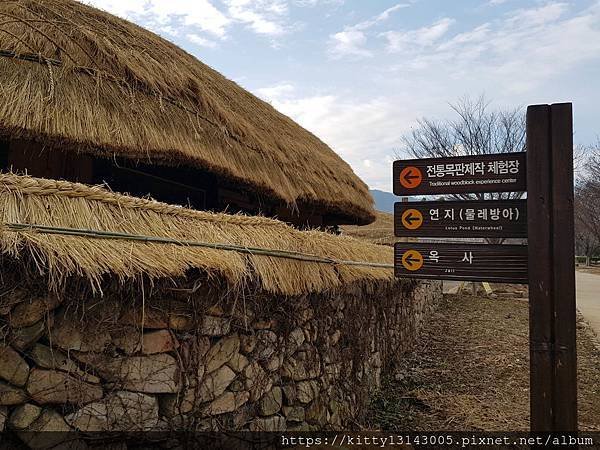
x=588, y=298
x=471, y=372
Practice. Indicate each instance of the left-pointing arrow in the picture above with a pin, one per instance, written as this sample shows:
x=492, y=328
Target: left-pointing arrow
x=410, y=175
x=410, y=218
x=412, y=260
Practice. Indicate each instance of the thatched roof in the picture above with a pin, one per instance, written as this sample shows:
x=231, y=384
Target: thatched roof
x=379, y=232
x=59, y=204
x=74, y=77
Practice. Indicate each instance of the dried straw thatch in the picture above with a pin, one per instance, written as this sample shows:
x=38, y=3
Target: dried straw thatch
x=76, y=77
x=380, y=232
x=33, y=201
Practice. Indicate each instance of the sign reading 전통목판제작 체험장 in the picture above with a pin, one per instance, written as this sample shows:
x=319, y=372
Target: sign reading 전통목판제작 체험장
x=501, y=172
x=478, y=218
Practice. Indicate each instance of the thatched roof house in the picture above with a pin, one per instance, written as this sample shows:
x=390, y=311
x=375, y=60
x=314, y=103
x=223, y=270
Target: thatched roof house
x=122, y=314
x=57, y=226
x=107, y=101
x=119, y=313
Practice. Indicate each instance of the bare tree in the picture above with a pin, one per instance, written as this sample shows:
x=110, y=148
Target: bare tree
x=593, y=165
x=587, y=205
x=476, y=130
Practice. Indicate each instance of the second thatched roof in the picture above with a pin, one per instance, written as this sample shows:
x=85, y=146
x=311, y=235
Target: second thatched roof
x=380, y=232
x=67, y=229
x=79, y=79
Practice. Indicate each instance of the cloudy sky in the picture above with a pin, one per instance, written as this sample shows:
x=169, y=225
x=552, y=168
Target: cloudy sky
x=359, y=73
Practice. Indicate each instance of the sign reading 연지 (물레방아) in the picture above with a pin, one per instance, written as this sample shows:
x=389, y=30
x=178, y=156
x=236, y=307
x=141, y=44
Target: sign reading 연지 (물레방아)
x=465, y=219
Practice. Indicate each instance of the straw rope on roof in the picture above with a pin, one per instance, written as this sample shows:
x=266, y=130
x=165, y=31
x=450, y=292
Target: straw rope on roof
x=49, y=204
x=77, y=78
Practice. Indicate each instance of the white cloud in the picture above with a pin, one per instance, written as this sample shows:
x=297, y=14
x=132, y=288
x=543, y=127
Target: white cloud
x=262, y=16
x=313, y=3
x=400, y=41
x=348, y=43
x=379, y=18
x=201, y=41
x=516, y=52
x=510, y=60
x=276, y=92
x=352, y=40
x=363, y=132
x=162, y=14
x=476, y=35
x=538, y=16
x=122, y=8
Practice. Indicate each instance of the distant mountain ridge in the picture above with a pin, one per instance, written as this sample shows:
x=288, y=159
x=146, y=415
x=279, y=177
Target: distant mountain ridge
x=384, y=201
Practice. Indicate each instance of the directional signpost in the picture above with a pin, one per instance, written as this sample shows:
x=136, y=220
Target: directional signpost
x=465, y=219
x=501, y=172
x=463, y=262
x=545, y=171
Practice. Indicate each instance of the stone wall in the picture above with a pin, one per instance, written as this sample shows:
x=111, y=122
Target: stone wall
x=199, y=358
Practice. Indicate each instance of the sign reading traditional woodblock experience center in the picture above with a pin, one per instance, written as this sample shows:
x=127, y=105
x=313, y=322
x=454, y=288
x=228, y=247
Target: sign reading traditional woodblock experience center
x=502, y=172
x=486, y=218
x=463, y=262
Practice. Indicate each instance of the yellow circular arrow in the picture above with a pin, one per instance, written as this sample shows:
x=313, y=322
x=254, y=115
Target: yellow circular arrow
x=412, y=219
x=412, y=260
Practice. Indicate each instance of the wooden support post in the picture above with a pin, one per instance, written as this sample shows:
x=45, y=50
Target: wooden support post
x=553, y=374
x=539, y=204
x=565, y=316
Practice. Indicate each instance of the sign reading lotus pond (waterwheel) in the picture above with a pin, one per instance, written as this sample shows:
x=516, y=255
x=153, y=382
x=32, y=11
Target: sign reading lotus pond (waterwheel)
x=501, y=172
x=485, y=218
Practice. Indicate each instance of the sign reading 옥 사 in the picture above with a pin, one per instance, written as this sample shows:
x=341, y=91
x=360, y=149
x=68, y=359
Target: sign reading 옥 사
x=463, y=262
x=500, y=172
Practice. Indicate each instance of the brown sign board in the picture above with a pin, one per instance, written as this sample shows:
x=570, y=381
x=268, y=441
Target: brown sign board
x=485, y=218
x=462, y=262
x=500, y=172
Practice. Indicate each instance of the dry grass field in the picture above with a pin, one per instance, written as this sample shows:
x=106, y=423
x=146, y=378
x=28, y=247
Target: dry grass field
x=379, y=232
x=592, y=269
x=471, y=372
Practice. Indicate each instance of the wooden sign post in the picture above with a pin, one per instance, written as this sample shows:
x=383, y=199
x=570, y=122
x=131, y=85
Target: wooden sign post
x=547, y=263
x=552, y=313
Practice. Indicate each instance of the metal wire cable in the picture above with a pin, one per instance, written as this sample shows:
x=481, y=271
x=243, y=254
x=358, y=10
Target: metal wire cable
x=98, y=234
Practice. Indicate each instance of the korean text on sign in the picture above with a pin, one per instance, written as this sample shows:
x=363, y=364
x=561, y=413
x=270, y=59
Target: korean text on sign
x=471, y=214
x=473, y=168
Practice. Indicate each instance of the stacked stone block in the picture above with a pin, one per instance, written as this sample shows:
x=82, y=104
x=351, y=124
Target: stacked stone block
x=204, y=361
